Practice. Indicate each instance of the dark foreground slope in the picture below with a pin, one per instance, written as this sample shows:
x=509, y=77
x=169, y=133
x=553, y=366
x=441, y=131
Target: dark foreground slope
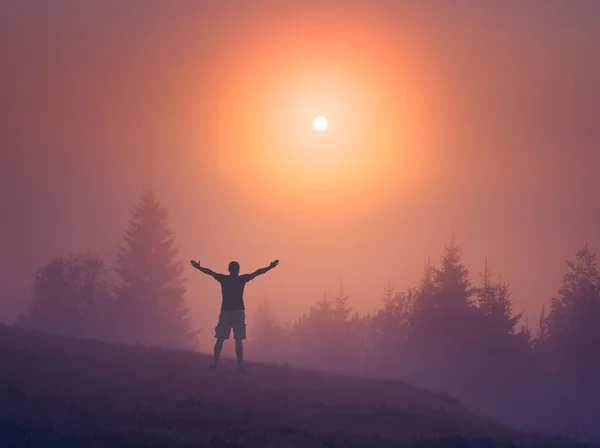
x=57, y=391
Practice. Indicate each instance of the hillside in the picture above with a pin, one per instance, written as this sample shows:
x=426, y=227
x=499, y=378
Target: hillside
x=59, y=391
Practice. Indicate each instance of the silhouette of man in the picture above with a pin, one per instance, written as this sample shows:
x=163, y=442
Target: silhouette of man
x=232, y=313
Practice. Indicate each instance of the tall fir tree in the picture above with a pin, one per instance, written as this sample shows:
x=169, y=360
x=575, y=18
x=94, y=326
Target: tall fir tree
x=390, y=329
x=570, y=352
x=452, y=279
x=392, y=322
x=426, y=298
x=441, y=336
x=270, y=339
x=341, y=311
x=541, y=336
x=443, y=305
x=151, y=303
x=485, y=292
x=323, y=336
x=573, y=334
x=497, y=344
x=494, y=300
x=425, y=311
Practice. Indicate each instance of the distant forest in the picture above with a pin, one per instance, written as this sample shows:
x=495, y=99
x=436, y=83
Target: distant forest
x=447, y=333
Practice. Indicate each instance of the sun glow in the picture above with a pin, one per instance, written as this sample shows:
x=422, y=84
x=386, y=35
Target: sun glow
x=263, y=118
x=320, y=123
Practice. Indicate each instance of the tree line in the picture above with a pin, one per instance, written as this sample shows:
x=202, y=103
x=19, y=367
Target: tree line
x=447, y=333
x=451, y=334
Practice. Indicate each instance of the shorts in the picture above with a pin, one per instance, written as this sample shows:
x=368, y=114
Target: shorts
x=231, y=319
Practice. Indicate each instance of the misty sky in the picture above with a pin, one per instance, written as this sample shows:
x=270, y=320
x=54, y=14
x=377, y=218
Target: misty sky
x=456, y=116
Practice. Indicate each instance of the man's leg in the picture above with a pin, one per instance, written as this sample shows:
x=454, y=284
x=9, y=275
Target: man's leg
x=239, y=334
x=217, y=352
x=222, y=331
x=239, y=353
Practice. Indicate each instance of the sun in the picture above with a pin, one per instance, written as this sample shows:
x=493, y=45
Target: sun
x=320, y=123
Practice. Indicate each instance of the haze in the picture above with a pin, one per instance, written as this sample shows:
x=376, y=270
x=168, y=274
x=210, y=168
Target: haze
x=455, y=117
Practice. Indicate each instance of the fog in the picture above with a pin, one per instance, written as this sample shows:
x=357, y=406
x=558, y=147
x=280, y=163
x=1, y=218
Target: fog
x=100, y=102
x=454, y=118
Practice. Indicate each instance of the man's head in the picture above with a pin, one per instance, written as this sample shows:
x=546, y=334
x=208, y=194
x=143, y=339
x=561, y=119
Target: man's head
x=234, y=268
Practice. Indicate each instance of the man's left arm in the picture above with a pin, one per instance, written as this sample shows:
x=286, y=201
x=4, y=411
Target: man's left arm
x=263, y=270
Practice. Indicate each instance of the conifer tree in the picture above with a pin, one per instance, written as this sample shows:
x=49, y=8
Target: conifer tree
x=494, y=300
x=452, y=279
x=443, y=305
x=324, y=336
x=541, y=337
x=573, y=334
x=426, y=299
x=442, y=326
x=270, y=338
x=151, y=304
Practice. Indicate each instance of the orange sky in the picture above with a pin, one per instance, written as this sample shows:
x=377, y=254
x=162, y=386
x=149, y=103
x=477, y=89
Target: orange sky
x=475, y=119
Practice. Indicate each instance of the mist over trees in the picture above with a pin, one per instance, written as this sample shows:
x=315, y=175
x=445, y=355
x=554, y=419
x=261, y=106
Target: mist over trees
x=453, y=331
x=72, y=295
x=465, y=338
x=150, y=299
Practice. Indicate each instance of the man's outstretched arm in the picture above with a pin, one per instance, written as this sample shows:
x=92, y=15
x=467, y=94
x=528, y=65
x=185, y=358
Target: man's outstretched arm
x=207, y=271
x=263, y=270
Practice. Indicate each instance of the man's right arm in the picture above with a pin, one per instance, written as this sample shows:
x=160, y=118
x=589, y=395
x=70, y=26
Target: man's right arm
x=207, y=271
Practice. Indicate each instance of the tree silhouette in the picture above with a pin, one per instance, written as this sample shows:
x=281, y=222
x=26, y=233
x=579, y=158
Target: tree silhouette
x=452, y=280
x=573, y=336
x=324, y=336
x=393, y=320
x=70, y=296
x=568, y=347
x=270, y=339
x=427, y=298
x=443, y=306
x=390, y=328
x=495, y=302
x=151, y=306
x=442, y=337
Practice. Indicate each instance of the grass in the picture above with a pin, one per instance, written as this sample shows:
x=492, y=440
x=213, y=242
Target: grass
x=66, y=392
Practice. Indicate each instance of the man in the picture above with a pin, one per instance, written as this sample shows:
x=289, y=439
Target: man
x=232, y=308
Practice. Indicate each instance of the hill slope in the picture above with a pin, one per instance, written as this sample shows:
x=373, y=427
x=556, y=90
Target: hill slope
x=59, y=391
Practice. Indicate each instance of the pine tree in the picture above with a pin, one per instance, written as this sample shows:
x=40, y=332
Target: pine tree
x=324, y=337
x=486, y=291
x=426, y=298
x=443, y=305
x=572, y=347
x=573, y=334
x=270, y=339
x=341, y=311
x=452, y=279
x=442, y=325
x=392, y=322
x=151, y=295
x=265, y=325
x=390, y=329
x=494, y=300
x=541, y=337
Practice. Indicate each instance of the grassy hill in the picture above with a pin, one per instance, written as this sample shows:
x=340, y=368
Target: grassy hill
x=58, y=391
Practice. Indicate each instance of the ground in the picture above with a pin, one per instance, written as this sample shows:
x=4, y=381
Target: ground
x=66, y=392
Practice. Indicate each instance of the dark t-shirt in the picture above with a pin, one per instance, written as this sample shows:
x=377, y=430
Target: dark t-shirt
x=232, y=287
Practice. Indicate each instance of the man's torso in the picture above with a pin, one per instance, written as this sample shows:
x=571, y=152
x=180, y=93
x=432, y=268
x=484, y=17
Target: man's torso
x=232, y=288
